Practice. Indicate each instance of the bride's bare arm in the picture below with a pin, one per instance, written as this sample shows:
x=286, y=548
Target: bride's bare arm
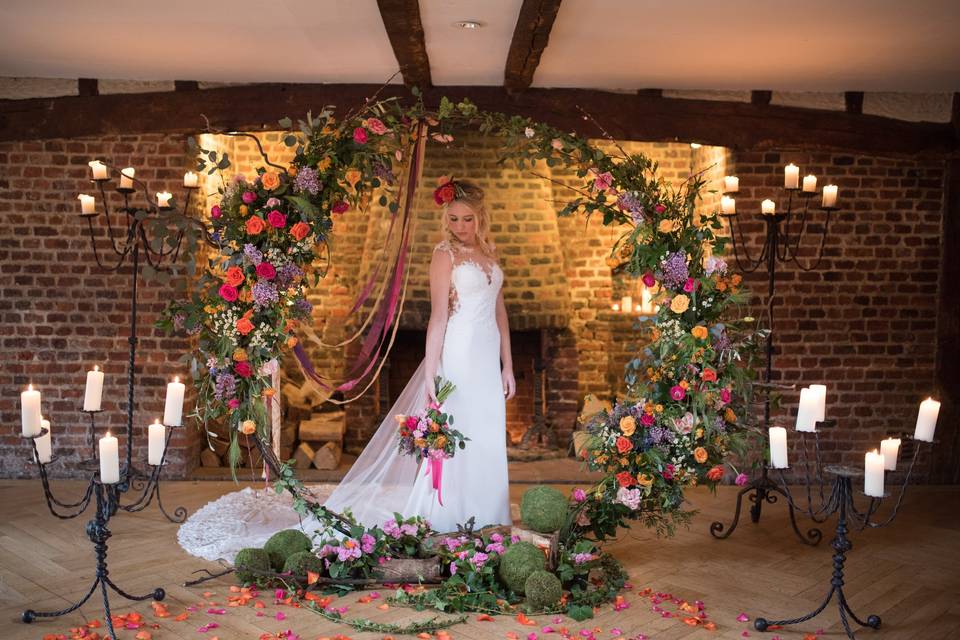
x=440, y=267
x=506, y=358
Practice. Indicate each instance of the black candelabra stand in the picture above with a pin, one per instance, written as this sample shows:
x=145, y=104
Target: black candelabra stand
x=842, y=502
x=784, y=232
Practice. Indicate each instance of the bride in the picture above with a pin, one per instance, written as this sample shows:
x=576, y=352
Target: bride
x=468, y=343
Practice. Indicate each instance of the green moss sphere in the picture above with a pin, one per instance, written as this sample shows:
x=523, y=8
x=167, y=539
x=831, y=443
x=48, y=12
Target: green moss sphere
x=543, y=509
x=284, y=544
x=543, y=590
x=301, y=562
x=254, y=559
x=516, y=565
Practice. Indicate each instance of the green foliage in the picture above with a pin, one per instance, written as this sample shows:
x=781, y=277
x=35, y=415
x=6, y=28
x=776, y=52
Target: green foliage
x=284, y=544
x=543, y=509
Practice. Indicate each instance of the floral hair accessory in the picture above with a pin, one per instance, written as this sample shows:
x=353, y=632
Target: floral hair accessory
x=447, y=191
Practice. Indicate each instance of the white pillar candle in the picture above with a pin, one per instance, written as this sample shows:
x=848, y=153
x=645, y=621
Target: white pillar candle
x=810, y=184
x=778, y=448
x=189, y=179
x=94, y=391
x=889, y=449
x=109, y=460
x=30, y=411
x=830, y=195
x=807, y=411
x=158, y=441
x=646, y=301
x=820, y=393
x=927, y=420
x=728, y=205
x=163, y=198
x=873, y=474
x=791, y=176
x=731, y=184
x=99, y=170
x=44, y=448
x=626, y=304
x=126, y=178
x=173, y=410
x=87, y=204
x=768, y=208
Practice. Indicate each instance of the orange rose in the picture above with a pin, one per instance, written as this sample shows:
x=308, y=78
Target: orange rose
x=700, y=455
x=715, y=474
x=709, y=375
x=255, y=225
x=624, y=444
x=291, y=342
x=299, y=231
x=244, y=210
x=248, y=427
x=244, y=326
x=699, y=332
x=269, y=393
x=441, y=441
x=644, y=480
x=434, y=427
x=234, y=276
x=292, y=171
x=625, y=479
x=736, y=279
x=270, y=181
x=729, y=415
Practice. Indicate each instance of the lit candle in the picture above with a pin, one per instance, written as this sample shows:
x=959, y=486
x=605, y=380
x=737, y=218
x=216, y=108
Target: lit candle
x=807, y=411
x=189, y=179
x=791, y=176
x=830, y=195
x=926, y=420
x=768, y=207
x=873, y=474
x=728, y=205
x=99, y=170
x=731, y=184
x=109, y=460
x=626, y=304
x=173, y=410
x=158, y=441
x=820, y=392
x=646, y=298
x=615, y=306
x=126, y=178
x=163, y=198
x=44, y=448
x=87, y=204
x=810, y=184
x=778, y=448
x=94, y=391
x=889, y=449
x=30, y=411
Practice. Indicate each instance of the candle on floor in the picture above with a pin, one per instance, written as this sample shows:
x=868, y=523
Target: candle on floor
x=728, y=205
x=163, y=198
x=157, y=434
x=768, y=208
x=44, y=447
x=889, y=449
x=807, y=411
x=30, y=411
x=830, y=195
x=94, y=391
x=626, y=304
x=820, y=393
x=109, y=460
x=126, y=178
x=778, y=448
x=173, y=409
x=189, y=179
x=927, y=420
x=810, y=184
x=731, y=184
x=87, y=204
x=615, y=306
x=791, y=176
x=99, y=170
x=873, y=474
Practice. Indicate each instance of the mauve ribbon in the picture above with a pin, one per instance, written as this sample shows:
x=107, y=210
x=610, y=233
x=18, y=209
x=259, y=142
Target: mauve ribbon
x=435, y=469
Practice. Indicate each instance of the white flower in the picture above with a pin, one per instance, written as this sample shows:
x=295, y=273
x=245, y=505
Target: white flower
x=529, y=132
x=628, y=497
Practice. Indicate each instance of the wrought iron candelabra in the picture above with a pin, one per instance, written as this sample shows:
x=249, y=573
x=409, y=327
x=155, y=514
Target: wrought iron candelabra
x=784, y=233
x=842, y=501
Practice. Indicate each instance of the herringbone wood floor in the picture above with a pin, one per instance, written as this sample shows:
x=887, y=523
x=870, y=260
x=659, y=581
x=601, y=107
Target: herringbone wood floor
x=906, y=573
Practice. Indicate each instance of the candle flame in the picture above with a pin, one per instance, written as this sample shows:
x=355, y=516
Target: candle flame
x=108, y=434
x=96, y=367
x=176, y=378
x=29, y=387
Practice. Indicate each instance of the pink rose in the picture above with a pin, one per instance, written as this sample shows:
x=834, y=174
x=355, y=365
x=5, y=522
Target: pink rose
x=360, y=135
x=228, y=292
x=579, y=495
x=678, y=393
x=277, y=219
x=215, y=211
x=649, y=280
x=234, y=403
x=603, y=181
x=376, y=126
x=659, y=208
x=243, y=369
x=266, y=271
x=689, y=285
x=249, y=197
x=340, y=207
x=725, y=396
x=741, y=480
x=647, y=420
x=667, y=473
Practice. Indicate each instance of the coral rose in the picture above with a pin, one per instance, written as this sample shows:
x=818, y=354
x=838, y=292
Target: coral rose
x=255, y=225
x=444, y=194
x=244, y=326
x=628, y=425
x=626, y=479
x=270, y=180
x=234, y=276
x=709, y=375
x=715, y=474
x=300, y=231
x=624, y=444
x=680, y=303
x=700, y=455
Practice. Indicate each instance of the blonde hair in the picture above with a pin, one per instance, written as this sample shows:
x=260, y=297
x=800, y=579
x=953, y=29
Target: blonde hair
x=472, y=195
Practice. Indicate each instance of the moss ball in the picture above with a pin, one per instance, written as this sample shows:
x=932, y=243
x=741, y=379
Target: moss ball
x=253, y=559
x=284, y=544
x=543, y=590
x=543, y=509
x=301, y=562
x=516, y=565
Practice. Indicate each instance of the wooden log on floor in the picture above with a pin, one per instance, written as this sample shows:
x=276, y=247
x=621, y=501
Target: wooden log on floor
x=324, y=427
x=327, y=457
x=303, y=456
x=209, y=458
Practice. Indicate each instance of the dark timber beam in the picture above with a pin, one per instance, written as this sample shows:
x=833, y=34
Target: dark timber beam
x=88, y=87
x=530, y=38
x=628, y=117
x=401, y=19
x=853, y=101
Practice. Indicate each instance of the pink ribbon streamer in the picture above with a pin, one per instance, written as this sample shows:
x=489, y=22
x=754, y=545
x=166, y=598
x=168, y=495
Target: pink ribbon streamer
x=435, y=469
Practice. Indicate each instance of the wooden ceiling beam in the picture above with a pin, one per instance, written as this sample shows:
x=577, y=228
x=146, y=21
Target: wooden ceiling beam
x=530, y=38
x=401, y=19
x=626, y=116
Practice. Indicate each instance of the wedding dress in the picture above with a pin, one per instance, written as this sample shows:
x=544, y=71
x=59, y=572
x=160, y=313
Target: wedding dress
x=382, y=481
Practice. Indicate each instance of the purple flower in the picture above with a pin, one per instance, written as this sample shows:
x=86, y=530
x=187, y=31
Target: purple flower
x=742, y=479
x=344, y=554
x=453, y=568
x=408, y=529
x=496, y=537
x=287, y=274
x=673, y=271
x=579, y=495
x=302, y=307
x=308, y=179
x=383, y=172
x=264, y=294
x=367, y=543
x=251, y=253
x=479, y=559
x=495, y=547
x=582, y=558
x=660, y=435
x=225, y=386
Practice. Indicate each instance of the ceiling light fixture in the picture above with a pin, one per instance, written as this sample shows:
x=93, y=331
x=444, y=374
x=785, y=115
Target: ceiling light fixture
x=468, y=24
x=694, y=145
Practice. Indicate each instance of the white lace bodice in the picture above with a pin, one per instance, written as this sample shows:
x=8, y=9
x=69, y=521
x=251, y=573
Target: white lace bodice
x=475, y=282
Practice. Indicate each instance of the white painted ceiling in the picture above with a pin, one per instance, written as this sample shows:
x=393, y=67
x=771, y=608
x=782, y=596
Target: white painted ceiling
x=817, y=45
